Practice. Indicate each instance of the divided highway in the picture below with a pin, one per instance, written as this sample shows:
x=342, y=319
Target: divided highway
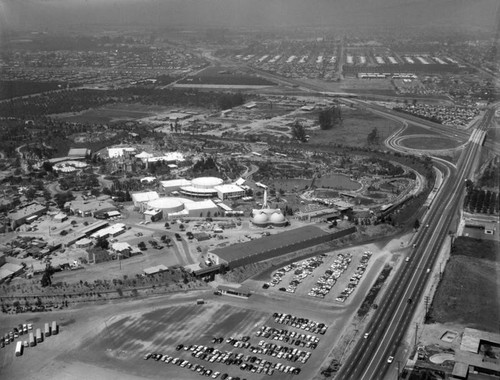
x=369, y=359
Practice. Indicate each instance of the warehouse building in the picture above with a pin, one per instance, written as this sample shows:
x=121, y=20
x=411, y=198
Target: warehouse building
x=111, y=231
x=27, y=213
x=89, y=207
x=273, y=246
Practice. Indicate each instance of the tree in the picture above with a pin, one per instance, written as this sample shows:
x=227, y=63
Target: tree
x=30, y=193
x=47, y=166
x=298, y=131
x=373, y=137
x=416, y=225
x=330, y=118
x=102, y=243
x=47, y=276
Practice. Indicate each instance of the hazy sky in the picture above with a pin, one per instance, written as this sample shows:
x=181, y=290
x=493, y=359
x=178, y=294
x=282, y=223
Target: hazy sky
x=41, y=14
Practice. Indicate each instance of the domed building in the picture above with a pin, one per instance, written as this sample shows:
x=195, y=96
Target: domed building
x=202, y=187
x=268, y=217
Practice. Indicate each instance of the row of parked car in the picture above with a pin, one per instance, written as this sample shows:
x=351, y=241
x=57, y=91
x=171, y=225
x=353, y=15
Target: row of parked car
x=301, y=271
x=287, y=353
x=300, y=323
x=201, y=370
x=291, y=337
x=326, y=282
x=16, y=332
x=355, y=278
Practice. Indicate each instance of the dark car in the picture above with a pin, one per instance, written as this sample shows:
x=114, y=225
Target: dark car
x=179, y=347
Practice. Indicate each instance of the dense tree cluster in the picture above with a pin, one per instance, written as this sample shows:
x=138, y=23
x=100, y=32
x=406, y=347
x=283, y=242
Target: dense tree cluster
x=206, y=166
x=491, y=175
x=481, y=201
x=330, y=117
x=82, y=99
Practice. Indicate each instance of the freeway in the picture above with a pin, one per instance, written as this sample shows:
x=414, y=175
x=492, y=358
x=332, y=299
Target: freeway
x=392, y=318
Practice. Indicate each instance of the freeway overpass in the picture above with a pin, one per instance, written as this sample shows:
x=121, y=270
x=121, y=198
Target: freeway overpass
x=392, y=318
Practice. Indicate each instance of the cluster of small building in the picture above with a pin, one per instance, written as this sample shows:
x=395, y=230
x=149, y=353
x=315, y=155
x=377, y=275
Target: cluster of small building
x=124, y=66
x=447, y=115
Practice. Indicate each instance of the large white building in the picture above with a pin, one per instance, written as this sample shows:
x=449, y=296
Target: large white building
x=229, y=191
x=140, y=199
x=174, y=184
x=172, y=207
x=119, y=151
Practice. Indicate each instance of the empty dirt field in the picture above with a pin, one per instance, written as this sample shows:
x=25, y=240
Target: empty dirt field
x=469, y=292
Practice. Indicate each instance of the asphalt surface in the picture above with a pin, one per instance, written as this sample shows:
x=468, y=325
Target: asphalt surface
x=371, y=354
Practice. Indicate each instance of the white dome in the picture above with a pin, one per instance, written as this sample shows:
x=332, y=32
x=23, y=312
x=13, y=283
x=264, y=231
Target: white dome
x=277, y=218
x=260, y=219
x=168, y=204
x=206, y=182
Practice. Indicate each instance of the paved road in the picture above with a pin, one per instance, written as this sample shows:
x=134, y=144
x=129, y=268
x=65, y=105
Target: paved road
x=369, y=359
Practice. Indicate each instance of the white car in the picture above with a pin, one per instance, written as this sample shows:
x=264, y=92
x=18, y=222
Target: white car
x=390, y=359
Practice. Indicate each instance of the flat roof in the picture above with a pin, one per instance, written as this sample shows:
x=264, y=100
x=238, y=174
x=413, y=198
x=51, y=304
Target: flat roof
x=176, y=182
x=28, y=210
x=235, y=288
x=228, y=188
x=155, y=269
x=268, y=243
x=145, y=196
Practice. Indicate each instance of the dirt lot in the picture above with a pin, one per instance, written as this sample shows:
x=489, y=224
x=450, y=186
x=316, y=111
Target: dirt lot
x=109, y=340
x=469, y=291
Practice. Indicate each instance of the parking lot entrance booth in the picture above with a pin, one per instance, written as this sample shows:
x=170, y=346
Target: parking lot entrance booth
x=234, y=291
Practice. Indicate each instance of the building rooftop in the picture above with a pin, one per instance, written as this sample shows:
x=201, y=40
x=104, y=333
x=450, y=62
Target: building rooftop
x=155, y=269
x=228, y=188
x=145, y=196
x=269, y=243
x=176, y=182
x=26, y=211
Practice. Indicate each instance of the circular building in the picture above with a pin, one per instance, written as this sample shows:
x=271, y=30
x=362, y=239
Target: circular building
x=206, y=182
x=202, y=187
x=168, y=205
x=260, y=219
x=277, y=219
x=268, y=217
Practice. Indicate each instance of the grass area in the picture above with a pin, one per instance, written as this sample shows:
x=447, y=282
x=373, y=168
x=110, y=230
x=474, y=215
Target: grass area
x=105, y=115
x=469, y=291
x=356, y=126
x=430, y=143
x=412, y=129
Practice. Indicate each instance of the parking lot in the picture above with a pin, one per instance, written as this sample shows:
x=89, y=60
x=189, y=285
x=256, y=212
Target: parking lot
x=278, y=347
x=333, y=276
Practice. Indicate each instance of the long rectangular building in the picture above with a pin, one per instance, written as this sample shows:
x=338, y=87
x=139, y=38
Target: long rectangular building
x=272, y=246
